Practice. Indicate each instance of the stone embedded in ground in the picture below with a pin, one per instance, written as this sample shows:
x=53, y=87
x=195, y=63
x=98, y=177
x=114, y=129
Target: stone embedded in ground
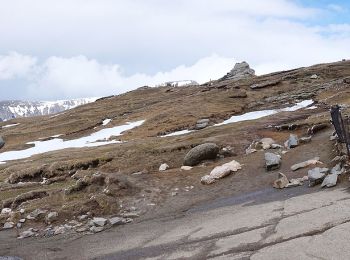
x=59, y=230
x=295, y=183
x=196, y=155
x=337, y=169
x=330, y=180
x=116, y=221
x=8, y=225
x=305, y=164
x=36, y=214
x=292, y=142
x=221, y=171
x=22, y=220
x=305, y=140
x=276, y=146
x=6, y=211
x=272, y=161
x=186, y=168
x=281, y=182
x=227, y=151
x=99, y=221
x=316, y=175
x=316, y=128
x=26, y=234
x=51, y=217
x=96, y=229
x=207, y=179
x=163, y=167
x=264, y=144
x=314, y=76
x=83, y=217
x=202, y=123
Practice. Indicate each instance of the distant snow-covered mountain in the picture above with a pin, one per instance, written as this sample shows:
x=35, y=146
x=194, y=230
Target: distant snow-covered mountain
x=16, y=108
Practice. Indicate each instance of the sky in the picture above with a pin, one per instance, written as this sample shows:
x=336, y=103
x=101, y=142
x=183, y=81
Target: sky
x=67, y=49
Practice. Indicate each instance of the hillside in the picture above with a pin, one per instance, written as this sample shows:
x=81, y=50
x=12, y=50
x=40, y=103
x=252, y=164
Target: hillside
x=103, y=157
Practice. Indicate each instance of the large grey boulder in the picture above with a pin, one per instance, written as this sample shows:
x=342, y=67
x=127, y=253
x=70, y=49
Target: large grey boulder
x=200, y=153
x=273, y=161
x=2, y=142
x=316, y=175
x=240, y=71
x=330, y=180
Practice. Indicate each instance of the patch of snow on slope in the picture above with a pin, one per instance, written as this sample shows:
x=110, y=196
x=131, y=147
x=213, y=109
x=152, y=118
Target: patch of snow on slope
x=182, y=132
x=7, y=126
x=106, y=121
x=95, y=139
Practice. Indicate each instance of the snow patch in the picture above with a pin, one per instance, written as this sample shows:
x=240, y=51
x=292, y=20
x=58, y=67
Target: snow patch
x=7, y=126
x=95, y=139
x=182, y=132
x=106, y=121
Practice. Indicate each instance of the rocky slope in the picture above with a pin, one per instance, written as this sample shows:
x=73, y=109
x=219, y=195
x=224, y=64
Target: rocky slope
x=14, y=108
x=108, y=168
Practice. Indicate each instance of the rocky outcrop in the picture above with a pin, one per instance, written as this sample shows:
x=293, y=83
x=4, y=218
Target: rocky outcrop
x=196, y=155
x=240, y=71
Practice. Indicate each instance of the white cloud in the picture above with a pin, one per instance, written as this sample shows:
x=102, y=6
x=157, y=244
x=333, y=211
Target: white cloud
x=101, y=47
x=15, y=65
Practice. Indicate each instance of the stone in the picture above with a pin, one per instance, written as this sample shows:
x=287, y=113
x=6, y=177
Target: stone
x=51, y=217
x=6, y=211
x=294, y=183
x=36, y=214
x=227, y=151
x=337, y=169
x=265, y=84
x=163, y=167
x=116, y=221
x=8, y=225
x=316, y=128
x=22, y=220
x=186, y=168
x=264, y=144
x=272, y=161
x=292, y=142
x=305, y=164
x=276, y=146
x=314, y=76
x=59, y=230
x=82, y=229
x=99, y=221
x=207, y=179
x=19, y=225
x=240, y=71
x=316, y=175
x=281, y=182
x=202, y=123
x=330, y=180
x=96, y=229
x=305, y=140
x=2, y=142
x=22, y=211
x=220, y=172
x=196, y=155
x=174, y=193
x=83, y=217
x=26, y=234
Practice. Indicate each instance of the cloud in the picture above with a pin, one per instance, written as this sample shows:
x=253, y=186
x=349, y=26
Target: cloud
x=15, y=65
x=337, y=8
x=92, y=48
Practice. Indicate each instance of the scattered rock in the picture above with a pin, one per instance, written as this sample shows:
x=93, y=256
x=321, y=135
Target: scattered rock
x=292, y=142
x=330, y=180
x=59, y=230
x=220, y=172
x=281, y=182
x=186, y=168
x=227, y=151
x=83, y=217
x=264, y=144
x=276, y=146
x=22, y=220
x=174, y=193
x=337, y=169
x=51, y=217
x=273, y=161
x=314, y=76
x=202, y=123
x=316, y=128
x=265, y=84
x=36, y=214
x=99, y=221
x=316, y=175
x=116, y=221
x=305, y=164
x=26, y=234
x=200, y=153
x=8, y=225
x=163, y=167
x=6, y=211
x=305, y=140
x=96, y=229
x=295, y=183
x=19, y=225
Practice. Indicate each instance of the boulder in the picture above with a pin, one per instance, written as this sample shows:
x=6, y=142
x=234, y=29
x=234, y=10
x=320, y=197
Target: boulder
x=163, y=167
x=2, y=142
x=240, y=71
x=330, y=180
x=51, y=217
x=316, y=175
x=292, y=142
x=116, y=221
x=272, y=161
x=281, y=182
x=99, y=221
x=202, y=123
x=200, y=153
x=8, y=225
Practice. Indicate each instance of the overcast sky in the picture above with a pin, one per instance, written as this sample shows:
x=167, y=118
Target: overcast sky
x=66, y=49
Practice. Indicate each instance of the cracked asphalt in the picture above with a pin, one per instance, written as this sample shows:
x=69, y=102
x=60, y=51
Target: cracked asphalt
x=309, y=226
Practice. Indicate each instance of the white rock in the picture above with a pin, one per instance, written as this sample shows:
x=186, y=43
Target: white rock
x=186, y=168
x=116, y=221
x=163, y=167
x=59, y=230
x=22, y=220
x=6, y=211
x=52, y=216
x=96, y=229
x=314, y=76
x=99, y=221
x=26, y=234
x=220, y=172
x=207, y=179
x=22, y=211
x=8, y=225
